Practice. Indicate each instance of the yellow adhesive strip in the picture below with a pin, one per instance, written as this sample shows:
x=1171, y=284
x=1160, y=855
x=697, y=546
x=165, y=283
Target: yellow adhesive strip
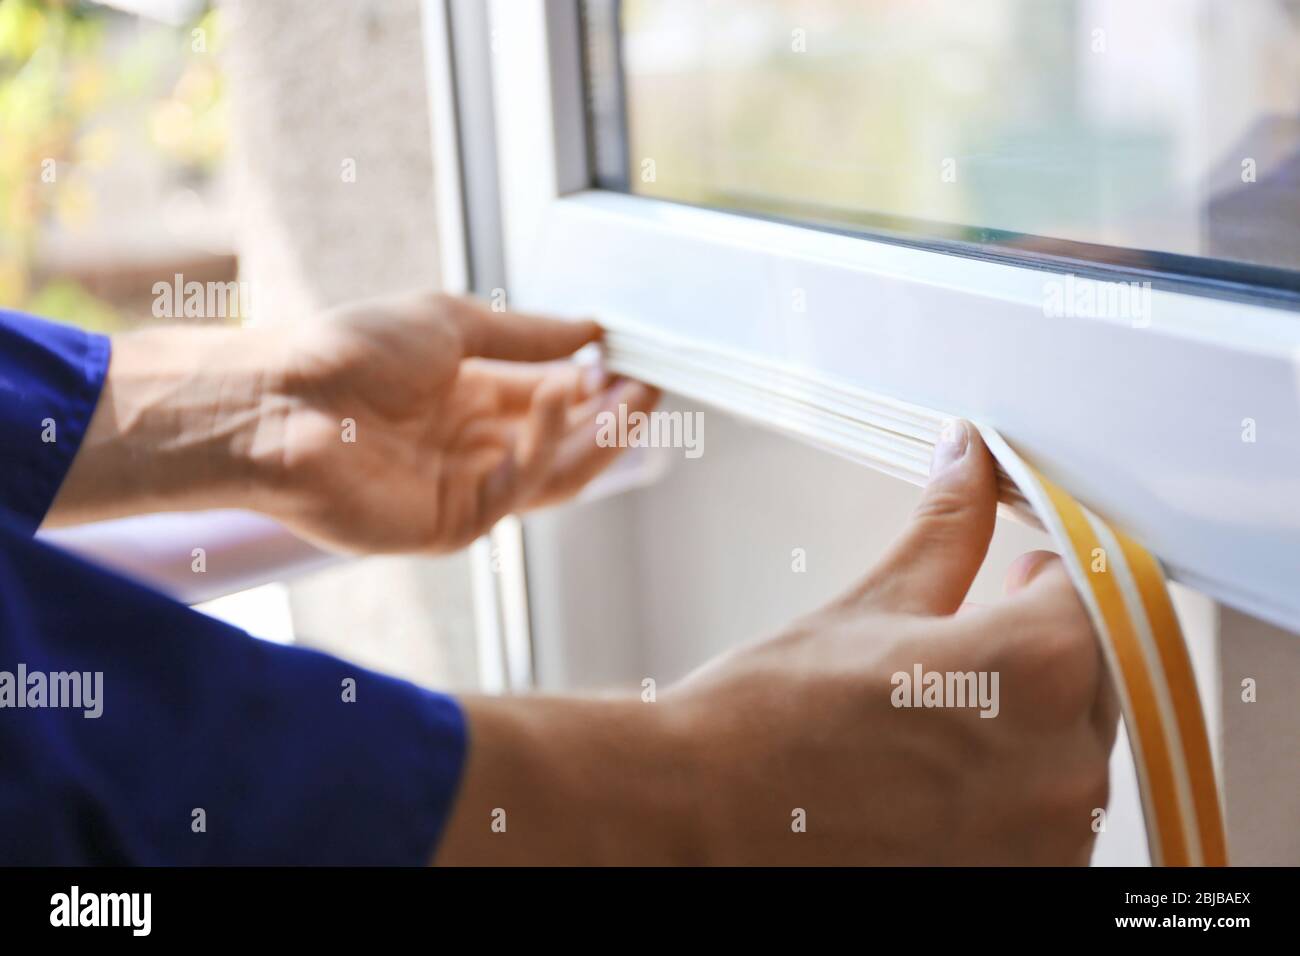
x=1126, y=595
x=1186, y=701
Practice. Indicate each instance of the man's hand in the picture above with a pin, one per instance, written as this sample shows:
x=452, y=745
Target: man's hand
x=804, y=726
x=457, y=420
x=409, y=424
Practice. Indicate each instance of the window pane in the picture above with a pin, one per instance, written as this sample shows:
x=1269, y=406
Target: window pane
x=1163, y=126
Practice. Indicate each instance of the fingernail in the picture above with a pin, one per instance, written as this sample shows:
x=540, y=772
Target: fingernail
x=954, y=439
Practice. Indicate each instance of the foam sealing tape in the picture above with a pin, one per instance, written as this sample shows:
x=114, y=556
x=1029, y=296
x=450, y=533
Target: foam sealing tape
x=1127, y=596
x=1128, y=601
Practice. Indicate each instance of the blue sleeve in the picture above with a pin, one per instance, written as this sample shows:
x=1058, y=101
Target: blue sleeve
x=180, y=740
x=50, y=378
x=134, y=730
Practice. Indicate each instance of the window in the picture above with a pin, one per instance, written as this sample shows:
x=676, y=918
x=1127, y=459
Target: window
x=1160, y=136
x=1151, y=415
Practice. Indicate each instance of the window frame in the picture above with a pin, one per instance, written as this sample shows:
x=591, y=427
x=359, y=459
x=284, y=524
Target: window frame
x=1166, y=402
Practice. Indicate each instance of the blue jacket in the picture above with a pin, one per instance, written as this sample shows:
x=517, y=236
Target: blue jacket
x=178, y=739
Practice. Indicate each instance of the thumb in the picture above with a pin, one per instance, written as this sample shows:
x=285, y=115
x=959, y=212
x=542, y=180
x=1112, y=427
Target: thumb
x=931, y=565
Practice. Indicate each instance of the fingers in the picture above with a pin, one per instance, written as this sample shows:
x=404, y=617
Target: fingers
x=581, y=457
x=1025, y=568
x=507, y=387
x=929, y=568
x=518, y=336
x=1042, y=582
x=1045, y=632
x=555, y=451
x=1047, y=584
x=510, y=385
x=526, y=465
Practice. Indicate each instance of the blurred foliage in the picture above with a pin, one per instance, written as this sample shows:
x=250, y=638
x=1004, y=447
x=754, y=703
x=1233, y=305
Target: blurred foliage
x=63, y=89
x=190, y=125
x=67, y=301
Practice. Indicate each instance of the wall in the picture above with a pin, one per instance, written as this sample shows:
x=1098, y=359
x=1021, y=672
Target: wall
x=1262, y=741
x=334, y=183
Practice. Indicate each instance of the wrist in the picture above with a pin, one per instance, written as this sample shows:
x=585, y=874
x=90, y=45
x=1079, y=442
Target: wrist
x=187, y=419
x=575, y=782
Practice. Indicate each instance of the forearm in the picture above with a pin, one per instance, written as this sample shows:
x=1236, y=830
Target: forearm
x=187, y=419
x=575, y=782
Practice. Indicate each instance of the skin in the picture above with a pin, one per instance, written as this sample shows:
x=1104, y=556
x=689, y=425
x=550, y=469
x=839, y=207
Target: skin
x=462, y=415
x=713, y=771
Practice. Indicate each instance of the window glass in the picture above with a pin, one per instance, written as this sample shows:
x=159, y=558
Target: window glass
x=1136, y=131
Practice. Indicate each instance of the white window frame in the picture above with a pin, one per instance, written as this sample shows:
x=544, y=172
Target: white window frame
x=1143, y=424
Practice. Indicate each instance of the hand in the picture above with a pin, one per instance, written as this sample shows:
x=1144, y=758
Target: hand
x=408, y=424
x=414, y=424
x=717, y=770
